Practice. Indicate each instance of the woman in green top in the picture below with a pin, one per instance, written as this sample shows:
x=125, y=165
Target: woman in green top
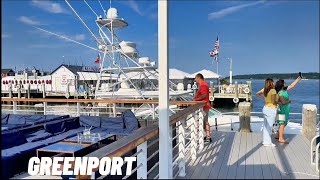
x=284, y=102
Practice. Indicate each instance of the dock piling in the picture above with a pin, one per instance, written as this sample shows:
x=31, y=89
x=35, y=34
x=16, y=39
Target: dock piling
x=245, y=116
x=309, y=120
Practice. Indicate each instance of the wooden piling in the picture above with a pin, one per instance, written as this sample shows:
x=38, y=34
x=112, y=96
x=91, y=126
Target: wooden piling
x=245, y=116
x=309, y=120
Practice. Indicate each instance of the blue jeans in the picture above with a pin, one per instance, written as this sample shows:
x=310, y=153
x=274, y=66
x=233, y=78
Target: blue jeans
x=269, y=115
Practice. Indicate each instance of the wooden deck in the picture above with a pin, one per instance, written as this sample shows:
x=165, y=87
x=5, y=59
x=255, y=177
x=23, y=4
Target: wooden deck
x=234, y=155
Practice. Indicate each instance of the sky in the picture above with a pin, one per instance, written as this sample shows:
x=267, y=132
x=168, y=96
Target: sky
x=259, y=36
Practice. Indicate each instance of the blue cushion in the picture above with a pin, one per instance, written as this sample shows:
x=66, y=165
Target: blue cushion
x=62, y=136
x=55, y=127
x=12, y=138
x=93, y=121
x=37, y=136
x=112, y=123
x=130, y=120
x=4, y=118
x=17, y=118
x=8, y=164
x=72, y=123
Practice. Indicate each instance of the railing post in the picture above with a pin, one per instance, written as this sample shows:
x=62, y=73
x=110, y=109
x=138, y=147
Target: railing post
x=114, y=110
x=14, y=107
x=309, y=120
x=201, y=130
x=165, y=129
x=44, y=108
x=142, y=158
x=78, y=109
x=182, y=151
x=193, y=144
x=153, y=113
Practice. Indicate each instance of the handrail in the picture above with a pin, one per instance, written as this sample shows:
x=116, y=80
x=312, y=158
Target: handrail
x=128, y=143
x=126, y=101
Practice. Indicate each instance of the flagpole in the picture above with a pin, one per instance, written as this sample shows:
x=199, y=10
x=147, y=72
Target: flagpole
x=218, y=70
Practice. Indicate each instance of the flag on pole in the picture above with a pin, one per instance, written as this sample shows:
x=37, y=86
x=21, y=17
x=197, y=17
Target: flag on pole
x=97, y=61
x=215, y=51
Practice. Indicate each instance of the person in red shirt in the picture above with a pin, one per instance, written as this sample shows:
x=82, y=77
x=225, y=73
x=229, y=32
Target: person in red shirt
x=203, y=95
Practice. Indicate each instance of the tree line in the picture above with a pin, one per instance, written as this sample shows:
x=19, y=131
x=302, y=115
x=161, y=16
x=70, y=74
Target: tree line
x=309, y=75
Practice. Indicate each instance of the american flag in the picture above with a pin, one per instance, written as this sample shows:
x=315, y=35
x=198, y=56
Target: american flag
x=97, y=61
x=215, y=51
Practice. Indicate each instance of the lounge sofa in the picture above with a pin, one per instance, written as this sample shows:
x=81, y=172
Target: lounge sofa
x=14, y=121
x=19, y=145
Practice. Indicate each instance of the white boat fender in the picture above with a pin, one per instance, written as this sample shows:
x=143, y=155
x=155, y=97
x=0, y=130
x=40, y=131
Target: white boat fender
x=211, y=98
x=246, y=90
x=235, y=100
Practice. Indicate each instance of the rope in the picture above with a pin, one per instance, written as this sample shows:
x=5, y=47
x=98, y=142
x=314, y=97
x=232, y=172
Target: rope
x=104, y=11
x=67, y=39
x=90, y=8
x=82, y=21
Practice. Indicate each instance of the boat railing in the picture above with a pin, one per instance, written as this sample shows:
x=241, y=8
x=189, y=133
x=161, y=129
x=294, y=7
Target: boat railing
x=294, y=117
x=77, y=107
x=186, y=139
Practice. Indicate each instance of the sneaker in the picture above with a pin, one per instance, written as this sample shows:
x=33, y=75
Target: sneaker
x=207, y=139
x=267, y=145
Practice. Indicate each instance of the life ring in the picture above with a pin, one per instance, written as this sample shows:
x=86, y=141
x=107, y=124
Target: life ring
x=235, y=100
x=18, y=86
x=246, y=90
x=211, y=98
x=194, y=86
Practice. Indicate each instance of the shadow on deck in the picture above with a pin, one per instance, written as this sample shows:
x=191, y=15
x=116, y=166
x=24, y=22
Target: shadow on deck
x=234, y=155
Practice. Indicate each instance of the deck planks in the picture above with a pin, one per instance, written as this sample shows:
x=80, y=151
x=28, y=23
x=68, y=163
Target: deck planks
x=235, y=155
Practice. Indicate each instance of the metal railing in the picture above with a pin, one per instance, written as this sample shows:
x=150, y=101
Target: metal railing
x=187, y=137
x=187, y=140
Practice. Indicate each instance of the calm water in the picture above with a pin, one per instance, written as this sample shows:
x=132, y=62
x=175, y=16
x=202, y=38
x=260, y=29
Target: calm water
x=305, y=92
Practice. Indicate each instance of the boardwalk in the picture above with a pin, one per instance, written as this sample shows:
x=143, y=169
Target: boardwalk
x=234, y=155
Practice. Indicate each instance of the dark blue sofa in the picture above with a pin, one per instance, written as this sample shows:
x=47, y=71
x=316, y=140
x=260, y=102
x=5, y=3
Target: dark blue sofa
x=14, y=121
x=19, y=145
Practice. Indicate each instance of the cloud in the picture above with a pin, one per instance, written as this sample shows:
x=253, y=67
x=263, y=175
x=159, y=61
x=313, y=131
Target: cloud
x=79, y=37
x=49, y=6
x=134, y=6
x=28, y=20
x=5, y=35
x=232, y=9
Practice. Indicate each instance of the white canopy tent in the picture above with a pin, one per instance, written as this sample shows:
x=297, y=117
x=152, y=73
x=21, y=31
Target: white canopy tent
x=207, y=74
x=173, y=74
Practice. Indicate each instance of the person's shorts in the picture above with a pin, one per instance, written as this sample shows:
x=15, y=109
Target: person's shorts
x=285, y=122
x=205, y=119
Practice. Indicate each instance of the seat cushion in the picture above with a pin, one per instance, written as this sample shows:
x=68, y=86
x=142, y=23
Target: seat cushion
x=130, y=120
x=38, y=135
x=62, y=136
x=72, y=123
x=55, y=127
x=4, y=118
x=12, y=138
x=94, y=121
x=17, y=118
x=112, y=123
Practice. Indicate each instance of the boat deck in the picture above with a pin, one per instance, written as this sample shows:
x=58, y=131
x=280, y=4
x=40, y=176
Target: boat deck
x=234, y=155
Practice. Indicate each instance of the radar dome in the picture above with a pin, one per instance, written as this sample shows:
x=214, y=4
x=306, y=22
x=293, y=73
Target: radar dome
x=112, y=13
